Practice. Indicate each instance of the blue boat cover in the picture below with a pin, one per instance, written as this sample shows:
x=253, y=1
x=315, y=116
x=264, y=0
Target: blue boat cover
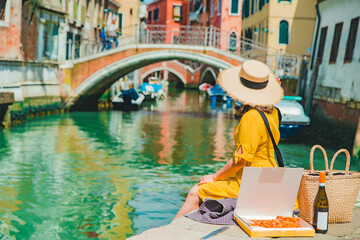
x=217, y=90
x=130, y=92
x=155, y=86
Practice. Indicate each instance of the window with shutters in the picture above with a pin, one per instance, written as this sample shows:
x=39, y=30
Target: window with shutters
x=261, y=4
x=246, y=8
x=149, y=16
x=212, y=8
x=156, y=14
x=351, y=40
x=322, y=43
x=234, y=7
x=284, y=32
x=177, y=13
x=335, y=43
x=252, y=7
x=219, y=7
x=4, y=13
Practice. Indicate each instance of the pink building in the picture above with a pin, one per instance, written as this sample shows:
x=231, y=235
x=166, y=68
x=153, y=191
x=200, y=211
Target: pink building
x=170, y=14
x=223, y=15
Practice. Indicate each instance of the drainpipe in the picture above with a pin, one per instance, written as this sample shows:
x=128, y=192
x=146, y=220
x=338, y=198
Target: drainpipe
x=316, y=34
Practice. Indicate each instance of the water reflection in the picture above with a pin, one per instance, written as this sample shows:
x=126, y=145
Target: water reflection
x=109, y=175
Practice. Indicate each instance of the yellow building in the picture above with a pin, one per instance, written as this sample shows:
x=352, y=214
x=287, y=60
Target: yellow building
x=131, y=14
x=286, y=25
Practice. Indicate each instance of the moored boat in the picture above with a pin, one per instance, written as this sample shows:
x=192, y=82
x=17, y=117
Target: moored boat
x=152, y=91
x=293, y=116
x=127, y=100
x=217, y=93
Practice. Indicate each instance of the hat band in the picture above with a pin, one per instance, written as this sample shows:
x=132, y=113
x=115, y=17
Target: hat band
x=253, y=85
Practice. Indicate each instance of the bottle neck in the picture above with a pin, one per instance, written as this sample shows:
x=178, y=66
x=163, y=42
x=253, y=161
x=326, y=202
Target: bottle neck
x=321, y=184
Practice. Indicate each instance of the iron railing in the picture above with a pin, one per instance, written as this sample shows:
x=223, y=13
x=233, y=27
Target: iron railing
x=281, y=64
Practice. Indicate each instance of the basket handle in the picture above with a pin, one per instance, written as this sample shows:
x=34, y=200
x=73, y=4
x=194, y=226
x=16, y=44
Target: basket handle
x=312, y=158
x=347, y=161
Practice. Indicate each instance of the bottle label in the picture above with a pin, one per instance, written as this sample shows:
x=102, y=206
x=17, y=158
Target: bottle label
x=322, y=221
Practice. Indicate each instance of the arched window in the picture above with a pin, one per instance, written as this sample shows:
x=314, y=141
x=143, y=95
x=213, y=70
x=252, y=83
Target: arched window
x=232, y=42
x=284, y=32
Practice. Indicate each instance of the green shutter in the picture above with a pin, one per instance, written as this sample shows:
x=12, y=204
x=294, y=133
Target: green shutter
x=284, y=32
x=234, y=6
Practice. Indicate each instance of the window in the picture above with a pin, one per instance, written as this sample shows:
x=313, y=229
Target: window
x=234, y=7
x=49, y=48
x=322, y=43
x=212, y=8
x=120, y=23
x=149, y=16
x=232, y=42
x=208, y=5
x=335, y=43
x=284, y=32
x=252, y=6
x=351, y=39
x=219, y=7
x=4, y=12
x=156, y=14
x=261, y=4
x=177, y=13
x=246, y=6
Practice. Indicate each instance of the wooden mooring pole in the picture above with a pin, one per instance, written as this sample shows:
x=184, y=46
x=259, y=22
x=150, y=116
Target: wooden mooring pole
x=356, y=149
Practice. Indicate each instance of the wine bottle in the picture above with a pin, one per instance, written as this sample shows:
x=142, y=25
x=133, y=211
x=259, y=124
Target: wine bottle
x=321, y=208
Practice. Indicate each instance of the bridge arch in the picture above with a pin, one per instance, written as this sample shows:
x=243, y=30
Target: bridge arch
x=176, y=73
x=86, y=94
x=208, y=71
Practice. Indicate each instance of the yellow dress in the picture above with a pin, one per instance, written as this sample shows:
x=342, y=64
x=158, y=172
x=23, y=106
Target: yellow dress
x=257, y=150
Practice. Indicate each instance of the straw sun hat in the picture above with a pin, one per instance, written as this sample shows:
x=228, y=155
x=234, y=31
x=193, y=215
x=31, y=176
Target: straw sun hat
x=252, y=83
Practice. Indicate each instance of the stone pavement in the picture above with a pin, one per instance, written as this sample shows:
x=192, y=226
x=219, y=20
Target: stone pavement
x=187, y=229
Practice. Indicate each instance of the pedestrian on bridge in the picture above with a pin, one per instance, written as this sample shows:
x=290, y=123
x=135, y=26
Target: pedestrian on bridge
x=258, y=90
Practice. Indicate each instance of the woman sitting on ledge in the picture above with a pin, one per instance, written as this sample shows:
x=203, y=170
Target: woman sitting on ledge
x=258, y=90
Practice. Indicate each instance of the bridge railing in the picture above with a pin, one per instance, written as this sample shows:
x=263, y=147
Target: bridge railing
x=281, y=64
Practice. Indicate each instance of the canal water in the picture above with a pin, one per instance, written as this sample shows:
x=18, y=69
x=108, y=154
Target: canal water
x=110, y=175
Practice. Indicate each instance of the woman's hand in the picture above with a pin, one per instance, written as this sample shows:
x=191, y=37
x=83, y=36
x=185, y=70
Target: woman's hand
x=206, y=179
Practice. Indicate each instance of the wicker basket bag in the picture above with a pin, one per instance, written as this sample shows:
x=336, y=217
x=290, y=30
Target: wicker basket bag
x=341, y=187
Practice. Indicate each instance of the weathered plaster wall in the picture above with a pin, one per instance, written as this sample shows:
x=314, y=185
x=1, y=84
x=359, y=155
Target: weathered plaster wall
x=10, y=32
x=338, y=83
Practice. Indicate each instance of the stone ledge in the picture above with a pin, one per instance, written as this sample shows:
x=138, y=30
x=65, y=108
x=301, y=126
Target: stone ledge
x=6, y=98
x=187, y=229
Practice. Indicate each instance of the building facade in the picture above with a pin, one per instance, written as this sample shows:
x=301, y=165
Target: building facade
x=285, y=25
x=335, y=61
x=224, y=18
x=167, y=16
x=10, y=30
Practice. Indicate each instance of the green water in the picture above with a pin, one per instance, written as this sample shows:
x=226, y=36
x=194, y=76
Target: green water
x=110, y=175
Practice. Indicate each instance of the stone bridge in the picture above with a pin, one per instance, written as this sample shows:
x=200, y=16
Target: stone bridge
x=94, y=71
x=90, y=76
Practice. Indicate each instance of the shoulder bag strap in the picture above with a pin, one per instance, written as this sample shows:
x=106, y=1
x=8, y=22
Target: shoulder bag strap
x=277, y=150
x=279, y=115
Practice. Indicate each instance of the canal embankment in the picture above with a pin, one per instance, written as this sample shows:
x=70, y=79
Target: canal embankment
x=6, y=99
x=187, y=229
x=36, y=89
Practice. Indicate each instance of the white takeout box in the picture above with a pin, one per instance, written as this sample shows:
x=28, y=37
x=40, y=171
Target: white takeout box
x=266, y=193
